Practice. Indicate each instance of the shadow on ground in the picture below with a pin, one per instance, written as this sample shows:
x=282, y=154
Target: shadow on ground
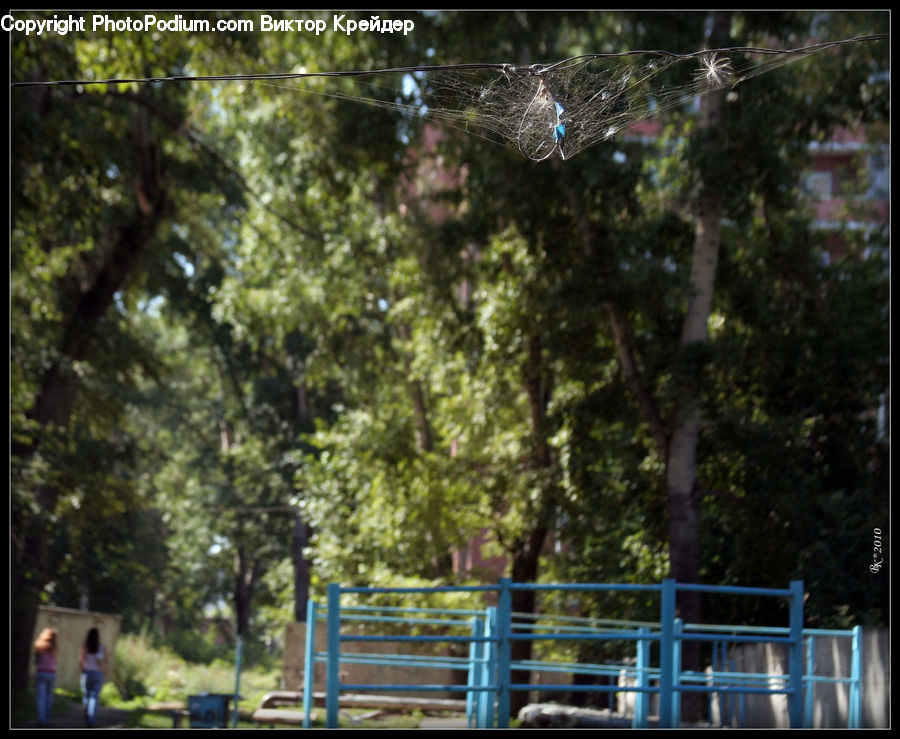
x=71, y=716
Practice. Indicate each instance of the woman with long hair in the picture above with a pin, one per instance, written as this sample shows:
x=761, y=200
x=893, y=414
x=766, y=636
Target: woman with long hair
x=93, y=663
x=45, y=652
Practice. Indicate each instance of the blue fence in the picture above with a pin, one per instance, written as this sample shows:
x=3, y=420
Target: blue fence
x=732, y=707
x=488, y=633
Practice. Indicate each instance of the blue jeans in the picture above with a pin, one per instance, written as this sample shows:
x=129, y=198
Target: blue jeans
x=44, y=682
x=91, y=682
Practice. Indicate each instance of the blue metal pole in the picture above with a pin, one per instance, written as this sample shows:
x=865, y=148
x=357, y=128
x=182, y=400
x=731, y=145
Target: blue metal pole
x=712, y=681
x=666, y=653
x=473, y=678
x=856, y=679
x=723, y=697
x=642, y=699
x=237, y=681
x=504, y=656
x=332, y=667
x=810, y=701
x=309, y=663
x=486, y=699
x=795, y=659
x=730, y=666
x=676, y=694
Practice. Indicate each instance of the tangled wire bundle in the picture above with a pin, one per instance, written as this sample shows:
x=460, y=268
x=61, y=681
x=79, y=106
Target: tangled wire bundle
x=539, y=110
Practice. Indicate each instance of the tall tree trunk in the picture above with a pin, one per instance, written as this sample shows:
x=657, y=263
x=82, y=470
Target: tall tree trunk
x=55, y=398
x=247, y=574
x=442, y=562
x=678, y=444
x=681, y=463
x=525, y=561
x=299, y=541
x=424, y=439
x=527, y=552
x=301, y=533
x=28, y=576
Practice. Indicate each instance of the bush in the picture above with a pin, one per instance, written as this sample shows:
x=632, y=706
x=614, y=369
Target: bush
x=199, y=648
x=160, y=674
x=134, y=656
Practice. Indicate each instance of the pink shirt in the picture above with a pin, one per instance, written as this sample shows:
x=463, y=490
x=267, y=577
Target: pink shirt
x=45, y=661
x=94, y=662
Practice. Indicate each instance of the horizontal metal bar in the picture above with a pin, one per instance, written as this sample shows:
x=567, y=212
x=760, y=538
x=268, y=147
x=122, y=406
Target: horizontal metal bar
x=587, y=620
x=406, y=656
x=569, y=671
x=397, y=637
x=579, y=667
x=823, y=679
x=733, y=677
x=538, y=629
x=730, y=589
x=402, y=609
x=452, y=663
x=584, y=637
x=446, y=663
x=594, y=587
x=401, y=620
x=424, y=688
x=587, y=688
x=445, y=589
x=737, y=638
x=827, y=632
x=731, y=628
x=724, y=689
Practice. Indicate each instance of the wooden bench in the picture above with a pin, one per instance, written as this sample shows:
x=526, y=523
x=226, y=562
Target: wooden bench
x=394, y=702
x=271, y=709
x=177, y=711
x=272, y=716
x=281, y=698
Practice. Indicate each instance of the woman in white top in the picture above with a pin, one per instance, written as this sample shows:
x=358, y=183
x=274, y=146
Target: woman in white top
x=93, y=662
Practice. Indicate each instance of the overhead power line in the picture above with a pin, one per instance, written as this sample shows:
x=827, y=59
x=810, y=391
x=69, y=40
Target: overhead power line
x=533, y=69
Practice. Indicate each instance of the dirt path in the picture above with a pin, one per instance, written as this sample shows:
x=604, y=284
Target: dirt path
x=68, y=715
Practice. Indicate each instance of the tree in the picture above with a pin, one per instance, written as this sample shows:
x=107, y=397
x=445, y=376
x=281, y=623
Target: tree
x=290, y=333
x=77, y=266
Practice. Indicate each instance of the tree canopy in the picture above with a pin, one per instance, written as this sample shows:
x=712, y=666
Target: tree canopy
x=263, y=338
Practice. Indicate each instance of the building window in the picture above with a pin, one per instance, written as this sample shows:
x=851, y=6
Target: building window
x=879, y=177
x=819, y=185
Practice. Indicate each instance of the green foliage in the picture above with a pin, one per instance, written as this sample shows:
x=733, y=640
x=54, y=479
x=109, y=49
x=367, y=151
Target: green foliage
x=302, y=334
x=159, y=674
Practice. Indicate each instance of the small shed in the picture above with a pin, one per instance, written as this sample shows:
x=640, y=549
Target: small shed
x=72, y=626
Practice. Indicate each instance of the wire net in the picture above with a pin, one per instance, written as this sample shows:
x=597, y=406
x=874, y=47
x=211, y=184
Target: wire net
x=561, y=109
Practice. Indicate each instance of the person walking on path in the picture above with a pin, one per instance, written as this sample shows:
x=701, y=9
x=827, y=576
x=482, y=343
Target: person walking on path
x=45, y=652
x=93, y=663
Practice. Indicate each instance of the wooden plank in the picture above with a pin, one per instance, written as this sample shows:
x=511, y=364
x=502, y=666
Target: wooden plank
x=352, y=700
x=176, y=710
x=395, y=702
x=279, y=716
x=281, y=698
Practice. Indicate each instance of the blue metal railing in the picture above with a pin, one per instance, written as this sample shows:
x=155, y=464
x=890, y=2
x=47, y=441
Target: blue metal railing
x=730, y=715
x=490, y=632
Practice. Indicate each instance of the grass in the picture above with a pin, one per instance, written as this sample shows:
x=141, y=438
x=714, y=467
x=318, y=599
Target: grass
x=145, y=675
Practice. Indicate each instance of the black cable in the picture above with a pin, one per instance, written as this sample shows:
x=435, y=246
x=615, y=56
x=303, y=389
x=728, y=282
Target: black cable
x=262, y=76
x=533, y=69
x=727, y=50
